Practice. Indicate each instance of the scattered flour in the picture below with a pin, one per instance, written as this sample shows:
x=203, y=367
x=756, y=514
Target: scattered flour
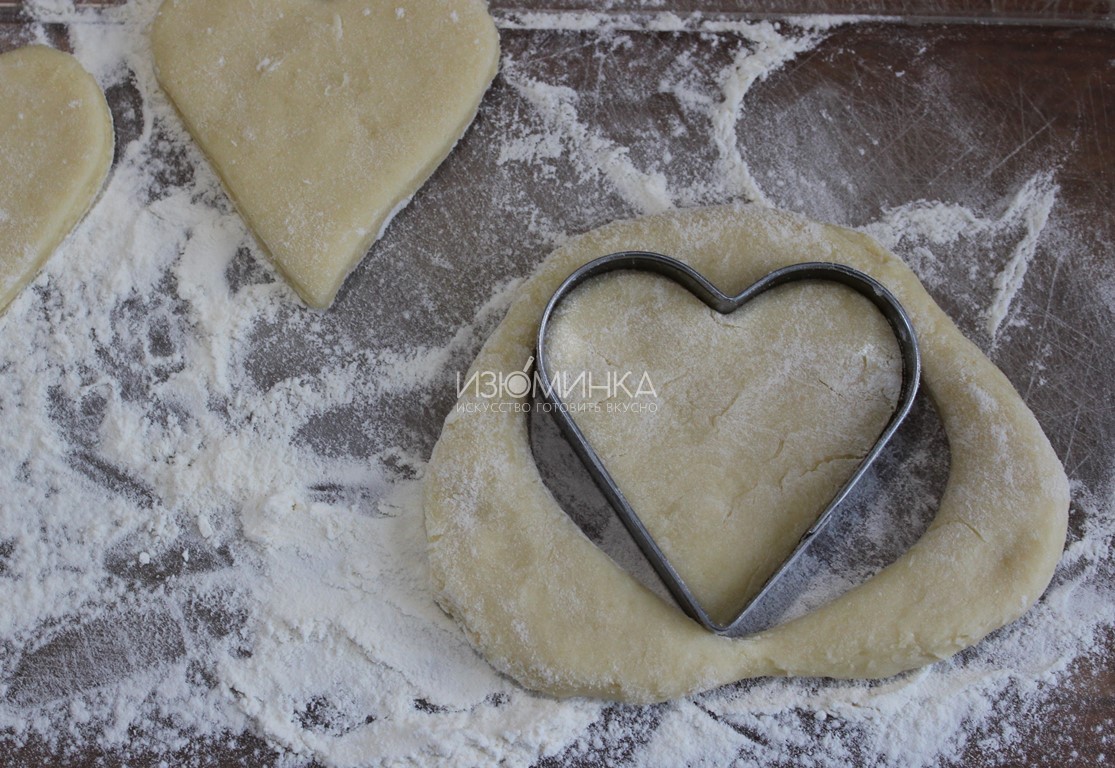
x=942, y=224
x=185, y=569
x=567, y=136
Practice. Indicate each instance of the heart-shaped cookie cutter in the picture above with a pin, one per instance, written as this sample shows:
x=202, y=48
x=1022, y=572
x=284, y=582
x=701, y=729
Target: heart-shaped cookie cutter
x=699, y=286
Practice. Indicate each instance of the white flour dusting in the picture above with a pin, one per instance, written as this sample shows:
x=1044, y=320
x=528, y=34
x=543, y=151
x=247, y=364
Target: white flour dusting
x=565, y=136
x=190, y=567
x=942, y=224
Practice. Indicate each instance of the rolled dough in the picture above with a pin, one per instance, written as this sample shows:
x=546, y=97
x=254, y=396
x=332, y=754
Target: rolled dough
x=56, y=146
x=549, y=608
x=772, y=408
x=323, y=118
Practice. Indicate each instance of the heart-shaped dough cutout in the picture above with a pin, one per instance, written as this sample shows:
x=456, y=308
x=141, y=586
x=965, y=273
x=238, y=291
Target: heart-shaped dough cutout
x=56, y=147
x=771, y=417
x=323, y=118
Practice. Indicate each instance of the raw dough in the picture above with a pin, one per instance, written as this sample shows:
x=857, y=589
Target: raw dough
x=549, y=608
x=323, y=118
x=56, y=146
x=769, y=430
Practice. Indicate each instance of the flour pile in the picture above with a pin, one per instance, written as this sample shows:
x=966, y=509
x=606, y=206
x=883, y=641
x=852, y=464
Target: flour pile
x=210, y=529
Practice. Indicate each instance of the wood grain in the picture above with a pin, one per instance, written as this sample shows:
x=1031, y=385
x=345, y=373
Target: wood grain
x=1040, y=90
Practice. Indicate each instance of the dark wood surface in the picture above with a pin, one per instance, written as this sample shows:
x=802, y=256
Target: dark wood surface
x=1060, y=12
x=1045, y=90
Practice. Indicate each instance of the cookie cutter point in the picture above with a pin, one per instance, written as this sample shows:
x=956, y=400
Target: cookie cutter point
x=703, y=289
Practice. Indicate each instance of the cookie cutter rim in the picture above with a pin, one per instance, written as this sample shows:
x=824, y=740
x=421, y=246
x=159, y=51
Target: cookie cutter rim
x=700, y=287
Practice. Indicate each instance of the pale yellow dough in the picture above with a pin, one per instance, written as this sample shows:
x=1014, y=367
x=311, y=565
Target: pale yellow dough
x=769, y=410
x=323, y=117
x=56, y=146
x=550, y=609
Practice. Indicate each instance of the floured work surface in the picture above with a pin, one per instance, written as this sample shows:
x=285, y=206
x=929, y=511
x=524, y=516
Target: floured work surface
x=211, y=539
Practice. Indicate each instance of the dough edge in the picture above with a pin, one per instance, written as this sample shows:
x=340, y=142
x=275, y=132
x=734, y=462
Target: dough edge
x=89, y=179
x=547, y=607
x=323, y=297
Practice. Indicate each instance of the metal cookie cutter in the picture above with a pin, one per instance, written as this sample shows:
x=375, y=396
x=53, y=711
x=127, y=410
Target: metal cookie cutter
x=699, y=286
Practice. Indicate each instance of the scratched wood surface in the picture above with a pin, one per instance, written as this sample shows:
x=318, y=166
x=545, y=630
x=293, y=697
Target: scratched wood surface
x=1056, y=12
x=1036, y=92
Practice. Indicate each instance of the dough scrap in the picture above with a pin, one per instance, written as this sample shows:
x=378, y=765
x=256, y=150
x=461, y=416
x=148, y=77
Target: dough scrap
x=550, y=609
x=56, y=146
x=323, y=118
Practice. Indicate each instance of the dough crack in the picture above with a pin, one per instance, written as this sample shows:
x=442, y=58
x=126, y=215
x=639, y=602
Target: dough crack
x=543, y=602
